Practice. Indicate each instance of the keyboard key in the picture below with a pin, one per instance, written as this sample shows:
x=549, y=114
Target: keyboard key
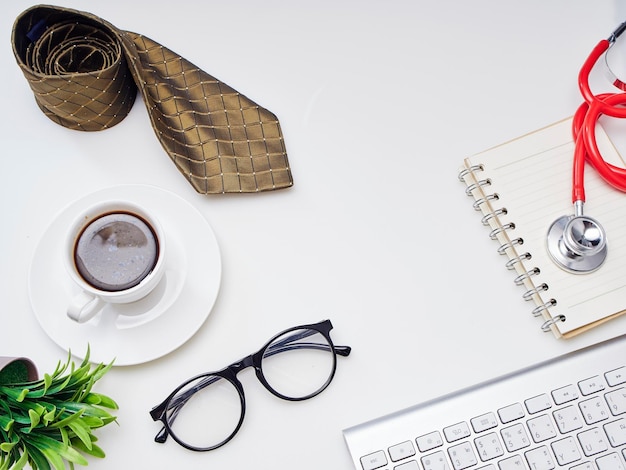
x=401, y=451
x=594, y=410
x=462, y=456
x=541, y=428
x=540, y=459
x=511, y=413
x=616, y=432
x=583, y=466
x=565, y=394
x=457, y=431
x=593, y=442
x=515, y=437
x=429, y=441
x=610, y=462
x=435, y=461
x=616, y=377
x=489, y=446
x=512, y=463
x=568, y=419
x=412, y=465
x=591, y=385
x=566, y=451
x=617, y=401
x=374, y=460
x=539, y=403
x=483, y=422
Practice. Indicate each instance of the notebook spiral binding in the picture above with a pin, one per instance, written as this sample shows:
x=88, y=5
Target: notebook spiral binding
x=483, y=202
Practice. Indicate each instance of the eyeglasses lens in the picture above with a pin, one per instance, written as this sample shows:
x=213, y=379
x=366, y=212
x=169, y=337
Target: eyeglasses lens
x=205, y=412
x=298, y=364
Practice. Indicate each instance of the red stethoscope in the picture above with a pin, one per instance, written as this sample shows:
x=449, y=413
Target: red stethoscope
x=578, y=243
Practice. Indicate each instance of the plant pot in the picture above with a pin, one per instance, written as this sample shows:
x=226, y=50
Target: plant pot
x=17, y=370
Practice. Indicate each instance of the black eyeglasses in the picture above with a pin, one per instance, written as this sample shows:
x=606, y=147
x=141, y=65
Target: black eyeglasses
x=206, y=411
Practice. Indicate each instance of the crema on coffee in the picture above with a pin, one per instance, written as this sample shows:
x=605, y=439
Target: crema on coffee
x=116, y=251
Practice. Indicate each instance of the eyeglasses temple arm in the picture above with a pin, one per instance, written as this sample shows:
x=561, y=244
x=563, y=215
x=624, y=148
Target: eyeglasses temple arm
x=280, y=347
x=294, y=337
x=286, y=344
x=161, y=437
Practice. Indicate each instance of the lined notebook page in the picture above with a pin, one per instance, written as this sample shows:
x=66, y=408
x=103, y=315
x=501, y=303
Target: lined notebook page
x=533, y=177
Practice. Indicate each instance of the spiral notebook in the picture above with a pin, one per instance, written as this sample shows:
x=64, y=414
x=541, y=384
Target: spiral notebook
x=519, y=188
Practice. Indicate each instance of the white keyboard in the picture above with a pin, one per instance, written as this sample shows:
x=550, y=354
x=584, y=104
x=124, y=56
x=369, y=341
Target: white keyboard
x=566, y=413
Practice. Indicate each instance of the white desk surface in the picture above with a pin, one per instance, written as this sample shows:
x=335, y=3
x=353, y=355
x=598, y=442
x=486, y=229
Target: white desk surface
x=379, y=103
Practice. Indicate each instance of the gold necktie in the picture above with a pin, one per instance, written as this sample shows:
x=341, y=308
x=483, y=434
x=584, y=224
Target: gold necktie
x=85, y=72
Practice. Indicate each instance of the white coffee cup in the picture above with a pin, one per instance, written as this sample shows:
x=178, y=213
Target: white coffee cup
x=115, y=253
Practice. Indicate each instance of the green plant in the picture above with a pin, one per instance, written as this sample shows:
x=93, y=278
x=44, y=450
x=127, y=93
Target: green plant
x=48, y=423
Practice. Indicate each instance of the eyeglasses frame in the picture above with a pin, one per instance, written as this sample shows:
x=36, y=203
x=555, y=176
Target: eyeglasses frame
x=229, y=373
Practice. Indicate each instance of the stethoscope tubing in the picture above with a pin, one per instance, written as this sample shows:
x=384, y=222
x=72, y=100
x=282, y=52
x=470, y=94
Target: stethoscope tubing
x=583, y=128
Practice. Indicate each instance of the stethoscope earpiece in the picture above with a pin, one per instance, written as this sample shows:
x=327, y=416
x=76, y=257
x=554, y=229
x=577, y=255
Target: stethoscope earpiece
x=577, y=243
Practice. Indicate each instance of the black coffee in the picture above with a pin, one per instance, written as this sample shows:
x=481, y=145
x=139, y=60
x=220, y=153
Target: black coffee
x=116, y=251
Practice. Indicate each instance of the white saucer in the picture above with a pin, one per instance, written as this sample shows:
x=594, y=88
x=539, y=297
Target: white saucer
x=149, y=328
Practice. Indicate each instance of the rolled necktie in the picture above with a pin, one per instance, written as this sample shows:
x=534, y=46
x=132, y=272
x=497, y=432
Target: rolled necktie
x=85, y=73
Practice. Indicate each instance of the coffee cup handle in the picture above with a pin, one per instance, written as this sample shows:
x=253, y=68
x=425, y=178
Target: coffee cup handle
x=84, y=307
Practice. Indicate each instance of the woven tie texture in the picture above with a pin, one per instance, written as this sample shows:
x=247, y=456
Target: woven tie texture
x=85, y=73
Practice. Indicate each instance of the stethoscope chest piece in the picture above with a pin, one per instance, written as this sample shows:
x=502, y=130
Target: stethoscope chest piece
x=577, y=243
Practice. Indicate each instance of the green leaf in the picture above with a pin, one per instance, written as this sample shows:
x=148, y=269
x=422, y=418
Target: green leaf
x=89, y=410
x=95, y=451
x=13, y=393
x=6, y=423
x=86, y=389
x=39, y=461
x=7, y=446
x=66, y=421
x=48, y=417
x=101, y=370
x=102, y=400
x=92, y=421
x=21, y=462
x=59, y=385
x=82, y=431
x=87, y=354
x=47, y=381
x=20, y=410
x=4, y=406
x=55, y=459
x=57, y=370
x=82, y=371
x=64, y=437
x=4, y=437
x=56, y=451
x=73, y=456
x=34, y=419
x=22, y=395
